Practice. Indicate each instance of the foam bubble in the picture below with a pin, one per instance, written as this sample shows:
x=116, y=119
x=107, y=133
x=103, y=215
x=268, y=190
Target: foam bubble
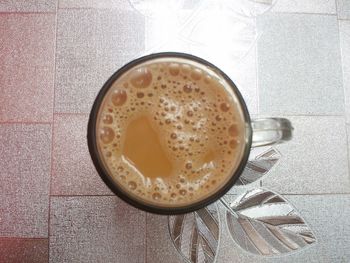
x=132, y=185
x=185, y=68
x=107, y=119
x=183, y=192
x=196, y=74
x=106, y=135
x=225, y=107
x=233, y=130
x=156, y=196
x=207, y=79
x=233, y=144
x=119, y=97
x=174, y=69
x=141, y=77
x=187, y=88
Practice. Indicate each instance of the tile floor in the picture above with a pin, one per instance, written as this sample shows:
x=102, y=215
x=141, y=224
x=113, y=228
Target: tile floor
x=292, y=60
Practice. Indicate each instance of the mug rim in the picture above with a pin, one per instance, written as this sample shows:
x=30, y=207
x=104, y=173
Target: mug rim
x=113, y=186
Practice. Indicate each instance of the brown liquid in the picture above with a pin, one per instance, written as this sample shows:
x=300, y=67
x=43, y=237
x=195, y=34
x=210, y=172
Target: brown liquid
x=170, y=134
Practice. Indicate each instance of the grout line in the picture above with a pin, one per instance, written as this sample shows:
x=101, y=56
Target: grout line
x=343, y=19
x=336, y=8
x=314, y=194
x=305, y=13
x=340, y=38
x=110, y=8
x=72, y=195
x=298, y=115
x=290, y=194
x=26, y=13
x=348, y=148
x=24, y=122
x=257, y=70
x=85, y=8
x=145, y=237
x=342, y=68
x=71, y=113
x=52, y=136
x=24, y=238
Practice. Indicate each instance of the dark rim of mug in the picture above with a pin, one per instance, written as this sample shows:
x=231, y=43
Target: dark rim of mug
x=91, y=139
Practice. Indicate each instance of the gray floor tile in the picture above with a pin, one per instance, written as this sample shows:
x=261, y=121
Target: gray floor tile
x=244, y=74
x=27, y=67
x=326, y=215
x=299, y=65
x=91, y=45
x=315, y=161
x=28, y=6
x=348, y=133
x=73, y=171
x=159, y=245
x=344, y=28
x=14, y=250
x=343, y=7
x=96, y=229
x=120, y=4
x=301, y=6
x=25, y=173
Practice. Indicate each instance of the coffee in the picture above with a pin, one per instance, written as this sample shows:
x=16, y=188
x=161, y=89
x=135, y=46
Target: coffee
x=170, y=132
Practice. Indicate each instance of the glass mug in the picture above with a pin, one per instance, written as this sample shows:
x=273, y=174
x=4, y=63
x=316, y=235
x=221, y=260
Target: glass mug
x=122, y=146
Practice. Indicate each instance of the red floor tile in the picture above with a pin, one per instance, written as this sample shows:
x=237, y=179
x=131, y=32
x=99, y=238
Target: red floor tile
x=26, y=67
x=25, y=156
x=13, y=250
x=73, y=170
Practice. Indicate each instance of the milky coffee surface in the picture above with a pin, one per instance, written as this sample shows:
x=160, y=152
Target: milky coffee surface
x=170, y=132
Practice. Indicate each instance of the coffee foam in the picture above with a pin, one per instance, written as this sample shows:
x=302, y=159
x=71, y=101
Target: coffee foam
x=170, y=133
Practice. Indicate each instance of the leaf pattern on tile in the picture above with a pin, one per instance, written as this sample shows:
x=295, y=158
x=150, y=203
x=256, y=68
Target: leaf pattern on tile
x=264, y=223
x=195, y=235
x=259, y=166
x=191, y=22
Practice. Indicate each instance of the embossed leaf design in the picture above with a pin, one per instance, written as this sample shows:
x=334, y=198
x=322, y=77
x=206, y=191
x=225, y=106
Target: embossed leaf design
x=264, y=223
x=195, y=235
x=259, y=166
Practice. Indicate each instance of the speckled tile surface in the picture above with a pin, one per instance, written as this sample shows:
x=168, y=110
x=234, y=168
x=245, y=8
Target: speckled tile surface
x=343, y=7
x=14, y=250
x=91, y=45
x=291, y=60
x=25, y=152
x=344, y=29
x=96, y=229
x=299, y=70
x=28, y=5
x=73, y=171
x=27, y=67
x=315, y=161
x=310, y=6
x=245, y=77
x=159, y=244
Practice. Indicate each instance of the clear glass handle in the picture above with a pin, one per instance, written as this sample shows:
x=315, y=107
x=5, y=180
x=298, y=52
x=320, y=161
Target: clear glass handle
x=271, y=131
